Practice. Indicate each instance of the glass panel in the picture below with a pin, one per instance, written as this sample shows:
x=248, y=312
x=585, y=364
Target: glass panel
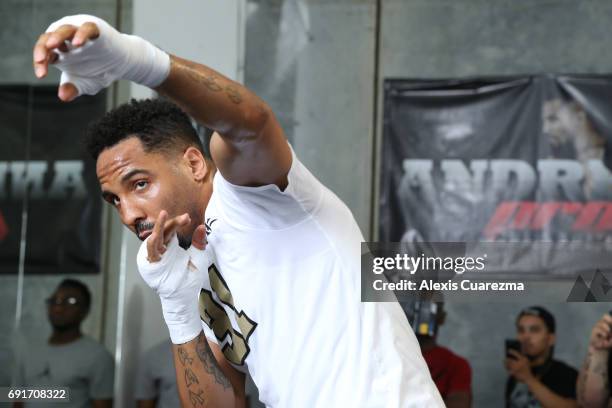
x=50, y=217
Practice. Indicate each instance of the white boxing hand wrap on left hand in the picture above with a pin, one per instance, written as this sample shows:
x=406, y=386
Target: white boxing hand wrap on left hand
x=110, y=57
x=177, y=278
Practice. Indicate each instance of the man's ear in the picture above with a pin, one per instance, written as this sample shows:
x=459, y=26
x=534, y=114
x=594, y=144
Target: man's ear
x=196, y=162
x=552, y=339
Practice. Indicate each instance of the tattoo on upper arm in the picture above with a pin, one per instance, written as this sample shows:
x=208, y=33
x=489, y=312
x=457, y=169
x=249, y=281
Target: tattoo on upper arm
x=212, y=83
x=210, y=362
x=209, y=81
x=233, y=94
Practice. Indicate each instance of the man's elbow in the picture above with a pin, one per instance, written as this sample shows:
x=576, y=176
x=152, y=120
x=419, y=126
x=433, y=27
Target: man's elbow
x=261, y=116
x=253, y=124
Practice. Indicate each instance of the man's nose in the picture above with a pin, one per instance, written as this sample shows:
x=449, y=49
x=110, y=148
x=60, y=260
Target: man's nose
x=131, y=213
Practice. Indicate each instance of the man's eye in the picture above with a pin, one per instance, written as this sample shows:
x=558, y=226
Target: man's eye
x=139, y=185
x=115, y=200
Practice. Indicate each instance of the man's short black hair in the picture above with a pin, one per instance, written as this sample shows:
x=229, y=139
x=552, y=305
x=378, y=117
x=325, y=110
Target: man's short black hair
x=159, y=124
x=73, y=283
x=539, y=311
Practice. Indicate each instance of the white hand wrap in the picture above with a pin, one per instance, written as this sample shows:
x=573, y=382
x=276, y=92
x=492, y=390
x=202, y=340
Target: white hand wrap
x=110, y=57
x=177, y=278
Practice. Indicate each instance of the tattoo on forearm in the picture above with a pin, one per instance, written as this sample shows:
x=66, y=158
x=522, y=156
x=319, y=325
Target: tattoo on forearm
x=190, y=378
x=601, y=369
x=593, y=371
x=184, y=356
x=197, y=399
x=209, y=362
x=195, y=396
x=582, y=379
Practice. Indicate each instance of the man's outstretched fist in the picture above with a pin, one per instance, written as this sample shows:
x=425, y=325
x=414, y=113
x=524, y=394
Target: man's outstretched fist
x=91, y=55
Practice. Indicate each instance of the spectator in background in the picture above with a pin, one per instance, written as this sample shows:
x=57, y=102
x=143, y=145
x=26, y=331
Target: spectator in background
x=536, y=379
x=156, y=382
x=594, y=378
x=451, y=373
x=68, y=358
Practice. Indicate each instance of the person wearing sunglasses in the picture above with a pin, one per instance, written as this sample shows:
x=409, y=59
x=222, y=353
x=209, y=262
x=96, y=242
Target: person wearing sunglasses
x=89, y=375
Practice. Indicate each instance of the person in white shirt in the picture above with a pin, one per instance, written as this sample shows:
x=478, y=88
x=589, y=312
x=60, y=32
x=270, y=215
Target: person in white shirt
x=68, y=358
x=272, y=255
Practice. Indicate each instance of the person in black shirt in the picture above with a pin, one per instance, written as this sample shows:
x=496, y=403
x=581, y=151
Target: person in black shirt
x=536, y=379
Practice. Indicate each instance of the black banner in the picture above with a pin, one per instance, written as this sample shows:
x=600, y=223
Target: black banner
x=499, y=159
x=48, y=182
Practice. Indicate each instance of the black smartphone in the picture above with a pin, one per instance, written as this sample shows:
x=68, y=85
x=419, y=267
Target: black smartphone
x=512, y=344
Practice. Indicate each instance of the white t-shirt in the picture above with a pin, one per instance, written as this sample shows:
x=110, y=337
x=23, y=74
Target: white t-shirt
x=283, y=302
x=84, y=366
